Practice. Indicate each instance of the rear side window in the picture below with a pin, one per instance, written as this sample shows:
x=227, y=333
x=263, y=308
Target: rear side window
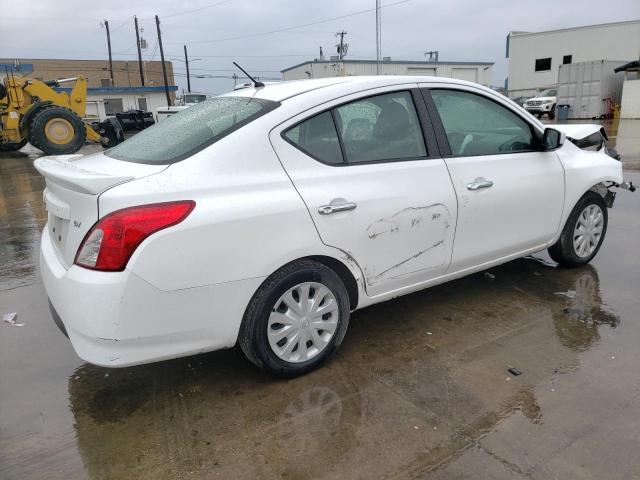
x=189, y=131
x=476, y=125
x=374, y=129
x=317, y=137
x=384, y=127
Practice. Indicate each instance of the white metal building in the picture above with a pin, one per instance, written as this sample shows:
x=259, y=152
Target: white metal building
x=479, y=72
x=534, y=57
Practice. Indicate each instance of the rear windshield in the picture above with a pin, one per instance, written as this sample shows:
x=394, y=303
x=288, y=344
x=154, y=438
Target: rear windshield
x=189, y=131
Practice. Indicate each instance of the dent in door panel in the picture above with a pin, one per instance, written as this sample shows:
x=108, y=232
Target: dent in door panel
x=425, y=228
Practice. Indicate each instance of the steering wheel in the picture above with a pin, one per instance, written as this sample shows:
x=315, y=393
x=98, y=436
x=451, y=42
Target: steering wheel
x=513, y=144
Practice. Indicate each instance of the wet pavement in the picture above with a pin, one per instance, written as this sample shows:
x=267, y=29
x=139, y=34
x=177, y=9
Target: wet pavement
x=419, y=389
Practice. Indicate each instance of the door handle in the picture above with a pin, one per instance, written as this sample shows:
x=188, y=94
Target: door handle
x=479, y=183
x=341, y=207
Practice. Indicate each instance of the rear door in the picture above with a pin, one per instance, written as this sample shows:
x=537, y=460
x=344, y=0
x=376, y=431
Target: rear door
x=510, y=194
x=369, y=171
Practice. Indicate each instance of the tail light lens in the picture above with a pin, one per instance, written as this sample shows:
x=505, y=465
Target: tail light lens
x=109, y=244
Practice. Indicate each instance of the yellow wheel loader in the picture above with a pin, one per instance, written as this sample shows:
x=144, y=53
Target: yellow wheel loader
x=31, y=111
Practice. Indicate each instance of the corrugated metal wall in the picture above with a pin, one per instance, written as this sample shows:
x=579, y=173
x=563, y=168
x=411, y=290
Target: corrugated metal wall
x=479, y=73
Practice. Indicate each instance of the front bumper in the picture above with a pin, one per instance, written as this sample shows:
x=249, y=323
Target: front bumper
x=117, y=319
x=538, y=108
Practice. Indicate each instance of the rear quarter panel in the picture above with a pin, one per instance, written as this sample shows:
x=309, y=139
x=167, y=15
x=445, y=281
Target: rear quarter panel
x=248, y=220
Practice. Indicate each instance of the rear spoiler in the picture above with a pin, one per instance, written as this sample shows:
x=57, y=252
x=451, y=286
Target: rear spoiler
x=61, y=170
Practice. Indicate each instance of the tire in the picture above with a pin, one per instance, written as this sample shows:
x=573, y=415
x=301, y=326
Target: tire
x=261, y=325
x=57, y=131
x=565, y=251
x=552, y=113
x=13, y=146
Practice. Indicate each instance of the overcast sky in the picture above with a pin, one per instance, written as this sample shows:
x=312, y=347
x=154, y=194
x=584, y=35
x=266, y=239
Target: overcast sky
x=220, y=31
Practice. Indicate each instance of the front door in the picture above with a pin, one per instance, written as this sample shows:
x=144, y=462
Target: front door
x=374, y=188
x=510, y=193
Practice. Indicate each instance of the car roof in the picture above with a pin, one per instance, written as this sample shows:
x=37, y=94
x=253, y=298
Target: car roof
x=281, y=91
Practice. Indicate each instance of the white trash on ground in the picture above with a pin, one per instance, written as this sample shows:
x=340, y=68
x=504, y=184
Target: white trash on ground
x=10, y=318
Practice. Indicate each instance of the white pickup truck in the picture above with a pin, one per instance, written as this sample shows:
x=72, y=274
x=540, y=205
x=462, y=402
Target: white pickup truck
x=187, y=100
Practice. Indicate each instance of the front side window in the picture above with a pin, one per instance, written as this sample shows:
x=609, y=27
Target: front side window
x=475, y=125
x=543, y=64
x=190, y=130
x=318, y=138
x=384, y=127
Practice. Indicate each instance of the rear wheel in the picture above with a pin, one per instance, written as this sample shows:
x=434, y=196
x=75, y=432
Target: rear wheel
x=583, y=233
x=57, y=131
x=13, y=146
x=296, y=319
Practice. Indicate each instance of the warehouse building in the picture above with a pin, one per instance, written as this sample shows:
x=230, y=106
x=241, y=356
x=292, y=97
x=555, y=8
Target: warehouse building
x=534, y=57
x=479, y=72
x=104, y=97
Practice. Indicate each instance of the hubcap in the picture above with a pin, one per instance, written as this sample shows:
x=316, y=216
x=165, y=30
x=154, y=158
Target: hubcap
x=588, y=231
x=59, y=131
x=302, y=322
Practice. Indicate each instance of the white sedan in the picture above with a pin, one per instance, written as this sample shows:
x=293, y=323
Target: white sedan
x=263, y=217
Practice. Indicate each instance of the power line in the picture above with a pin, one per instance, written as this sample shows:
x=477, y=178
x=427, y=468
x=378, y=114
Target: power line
x=79, y=19
x=269, y=32
x=184, y=12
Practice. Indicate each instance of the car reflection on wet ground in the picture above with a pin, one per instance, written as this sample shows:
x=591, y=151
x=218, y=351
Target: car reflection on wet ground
x=419, y=389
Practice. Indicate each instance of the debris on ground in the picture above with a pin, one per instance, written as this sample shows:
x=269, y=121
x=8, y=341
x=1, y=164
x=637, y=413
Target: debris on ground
x=568, y=294
x=514, y=371
x=489, y=276
x=10, y=318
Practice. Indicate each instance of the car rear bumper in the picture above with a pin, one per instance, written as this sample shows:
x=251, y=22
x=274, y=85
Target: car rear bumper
x=117, y=319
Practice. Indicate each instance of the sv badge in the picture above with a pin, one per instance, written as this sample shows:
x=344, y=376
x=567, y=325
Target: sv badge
x=77, y=224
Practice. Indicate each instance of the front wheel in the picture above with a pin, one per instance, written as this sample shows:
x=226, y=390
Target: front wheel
x=296, y=319
x=552, y=113
x=583, y=234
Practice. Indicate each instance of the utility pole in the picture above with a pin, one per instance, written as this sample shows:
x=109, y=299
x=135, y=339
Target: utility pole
x=378, y=36
x=342, y=47
x=164, y=67
x=106, y=26
x=186, y=62
x=135, y=20
x=342, y=51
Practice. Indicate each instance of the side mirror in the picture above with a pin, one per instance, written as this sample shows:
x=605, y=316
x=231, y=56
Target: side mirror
x=552, y=139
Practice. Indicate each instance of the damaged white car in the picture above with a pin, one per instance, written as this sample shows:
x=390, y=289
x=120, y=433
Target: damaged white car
x=265, y=216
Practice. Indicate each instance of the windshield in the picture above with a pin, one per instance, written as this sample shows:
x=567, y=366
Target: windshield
x=550, y=92
x=194, y=98
x=189, y=131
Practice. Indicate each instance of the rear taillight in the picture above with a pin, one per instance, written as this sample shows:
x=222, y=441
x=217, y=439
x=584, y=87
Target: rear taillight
x=109, y=244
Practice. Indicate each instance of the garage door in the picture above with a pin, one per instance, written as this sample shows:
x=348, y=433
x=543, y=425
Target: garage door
x=468, y=74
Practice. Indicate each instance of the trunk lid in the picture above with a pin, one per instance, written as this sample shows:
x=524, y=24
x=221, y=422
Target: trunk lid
x=73, y=185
